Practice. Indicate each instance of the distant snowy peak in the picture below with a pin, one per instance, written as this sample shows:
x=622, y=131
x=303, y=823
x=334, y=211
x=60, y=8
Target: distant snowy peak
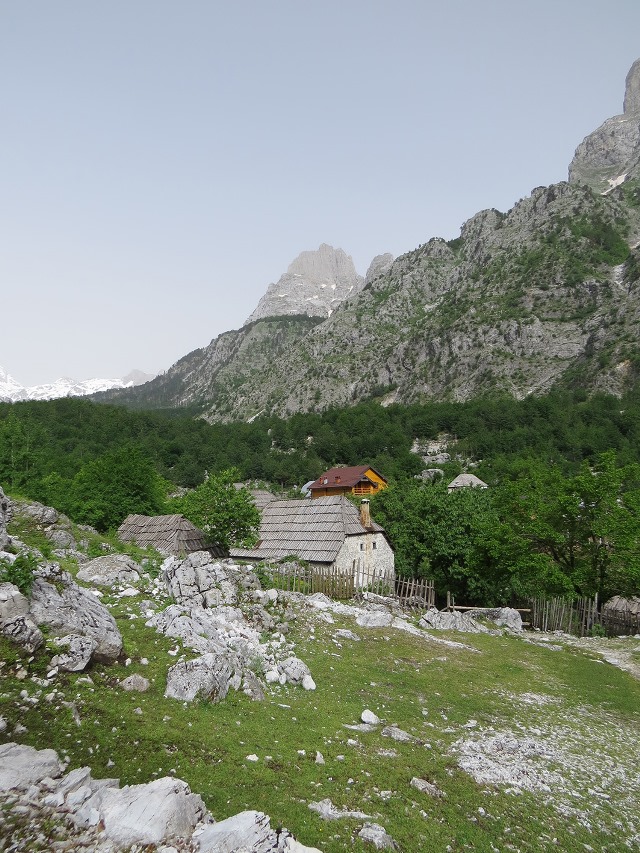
x=12, y=392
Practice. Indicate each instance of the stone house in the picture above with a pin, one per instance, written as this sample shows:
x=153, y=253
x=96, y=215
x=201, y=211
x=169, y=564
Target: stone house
x=330, y=533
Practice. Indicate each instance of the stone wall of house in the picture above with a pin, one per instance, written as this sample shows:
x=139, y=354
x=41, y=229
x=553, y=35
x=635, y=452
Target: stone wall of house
x=366, y=556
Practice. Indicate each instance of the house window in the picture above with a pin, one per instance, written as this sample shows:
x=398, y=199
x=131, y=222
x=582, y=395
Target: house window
x=362, y=546
x=375, y=545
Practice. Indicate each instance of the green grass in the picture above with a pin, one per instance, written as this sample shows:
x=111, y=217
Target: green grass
x=430, y=690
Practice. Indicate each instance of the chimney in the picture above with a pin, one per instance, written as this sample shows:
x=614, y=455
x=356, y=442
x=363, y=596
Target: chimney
x=365, y=516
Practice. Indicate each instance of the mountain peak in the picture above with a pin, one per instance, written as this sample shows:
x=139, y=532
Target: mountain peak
x=315, y=283
x=632, y=89
x=611, y=154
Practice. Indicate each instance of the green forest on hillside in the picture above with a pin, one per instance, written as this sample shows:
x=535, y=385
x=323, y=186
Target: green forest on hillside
x=560, y=515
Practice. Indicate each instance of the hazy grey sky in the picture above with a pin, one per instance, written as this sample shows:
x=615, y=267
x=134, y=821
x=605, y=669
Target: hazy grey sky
x=163, y=162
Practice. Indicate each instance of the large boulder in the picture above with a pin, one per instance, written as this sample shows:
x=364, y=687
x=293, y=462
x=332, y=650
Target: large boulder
x=65, y=608
x=199, y=580
x=160, y=811
x=110, y=570
x=21, y=766
x=207, y=677
x=15, y=621
x=248, y=830
x=78, y=654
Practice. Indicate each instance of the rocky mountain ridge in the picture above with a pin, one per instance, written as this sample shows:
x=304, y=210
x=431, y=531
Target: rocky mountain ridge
x=314, y=284
x=546, y=294
x=12, y=391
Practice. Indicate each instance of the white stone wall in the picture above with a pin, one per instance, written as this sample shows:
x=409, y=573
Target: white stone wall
x=367, y=556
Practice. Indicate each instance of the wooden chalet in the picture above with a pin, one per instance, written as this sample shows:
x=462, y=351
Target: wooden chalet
x=359, y=480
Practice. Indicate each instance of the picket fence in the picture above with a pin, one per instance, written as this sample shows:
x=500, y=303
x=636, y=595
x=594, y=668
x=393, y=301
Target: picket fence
x=412, y=593
x=581, y=617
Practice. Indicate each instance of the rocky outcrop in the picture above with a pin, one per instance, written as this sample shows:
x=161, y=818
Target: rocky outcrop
x=380, y=265
x=97, y=816
x=473, y=621
x=610, y=155
x=110, y=570
x=315, y=284
x=67, y=609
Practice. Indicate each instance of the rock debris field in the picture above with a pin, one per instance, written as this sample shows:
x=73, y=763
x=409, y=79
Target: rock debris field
x=227, y=634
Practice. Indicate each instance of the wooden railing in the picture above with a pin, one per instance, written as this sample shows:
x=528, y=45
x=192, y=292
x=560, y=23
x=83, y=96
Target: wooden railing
x=582, y=617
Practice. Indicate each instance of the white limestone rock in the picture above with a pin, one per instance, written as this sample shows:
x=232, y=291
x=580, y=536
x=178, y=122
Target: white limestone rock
x=73, y=610
x=110, y=570
x=135, y=682
x=398, y=735
x=15, y=621
x=247, y=831
x=451, y=621
x=22, y=766
x=5, y=517
x=296, y=671
x=369, y=718
x=375, y=619
x=159, y=811
x=209, y=677
x=80, y=649
x=377, y=835
x=327, y=811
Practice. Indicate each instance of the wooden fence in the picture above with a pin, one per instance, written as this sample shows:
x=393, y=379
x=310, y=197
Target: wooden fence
x=582, y=617
x=412, y=593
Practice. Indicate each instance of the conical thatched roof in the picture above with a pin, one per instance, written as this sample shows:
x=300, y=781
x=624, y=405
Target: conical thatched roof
x=169, y=534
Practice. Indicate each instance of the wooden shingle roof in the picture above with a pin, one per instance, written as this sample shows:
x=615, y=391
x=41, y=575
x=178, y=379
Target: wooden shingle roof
x=344, y=477
x=169, y=534
x=312, y=530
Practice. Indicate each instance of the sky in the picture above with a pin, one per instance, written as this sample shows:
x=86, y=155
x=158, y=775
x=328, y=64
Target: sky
x=163, y=162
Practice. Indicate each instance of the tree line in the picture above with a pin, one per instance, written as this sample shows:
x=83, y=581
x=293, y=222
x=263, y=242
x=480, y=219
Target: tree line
x=531, y=531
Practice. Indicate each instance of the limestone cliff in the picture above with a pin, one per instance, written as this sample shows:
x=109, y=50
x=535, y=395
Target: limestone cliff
x=315, y=284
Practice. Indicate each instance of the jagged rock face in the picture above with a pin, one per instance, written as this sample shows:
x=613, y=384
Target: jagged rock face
x=632, y=89
x=610, y=155
x=315, y=284
x=380, y=265
x=544, y=295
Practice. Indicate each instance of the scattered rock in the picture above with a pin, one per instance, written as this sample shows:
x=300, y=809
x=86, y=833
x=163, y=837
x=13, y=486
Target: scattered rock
x=328, y=811
x=377, y=835
x=162, y=810
x=369, y=718
x=398, y=734
x=135, y=682
x=427, y=787
x=21, y=766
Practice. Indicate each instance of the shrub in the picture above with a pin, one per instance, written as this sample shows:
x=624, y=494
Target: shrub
x=20, y=572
